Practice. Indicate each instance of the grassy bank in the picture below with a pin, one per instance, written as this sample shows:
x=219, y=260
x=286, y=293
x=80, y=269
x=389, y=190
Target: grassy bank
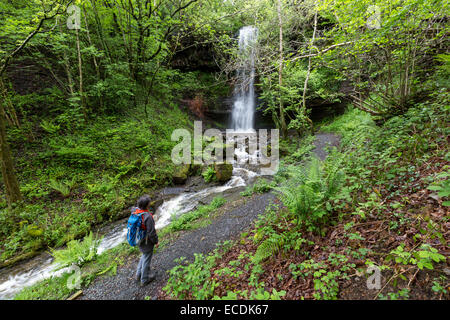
x=75, y=180
x=76, y=173
x=56, y=288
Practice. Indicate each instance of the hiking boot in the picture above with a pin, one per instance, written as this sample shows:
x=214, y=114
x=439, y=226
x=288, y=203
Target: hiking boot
x=143, y=284
x=137, y=279
x=151, y=278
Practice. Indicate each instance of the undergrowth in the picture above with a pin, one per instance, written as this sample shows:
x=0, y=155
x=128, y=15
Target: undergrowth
x=316, y=238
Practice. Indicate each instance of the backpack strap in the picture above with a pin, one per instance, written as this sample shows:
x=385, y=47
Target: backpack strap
x=139, y=211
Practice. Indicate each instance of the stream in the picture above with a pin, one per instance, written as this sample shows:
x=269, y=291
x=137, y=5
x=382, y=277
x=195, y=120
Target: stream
x=13, y=279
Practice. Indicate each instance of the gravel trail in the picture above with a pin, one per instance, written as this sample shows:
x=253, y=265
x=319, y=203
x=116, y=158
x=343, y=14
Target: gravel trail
x=227, y=226
x=204, y=240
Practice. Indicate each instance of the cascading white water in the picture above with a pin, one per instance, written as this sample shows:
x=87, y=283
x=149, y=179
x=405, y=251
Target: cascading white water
x=12, y=280
x=186, y=202
x=242, y=116
x=42, y=267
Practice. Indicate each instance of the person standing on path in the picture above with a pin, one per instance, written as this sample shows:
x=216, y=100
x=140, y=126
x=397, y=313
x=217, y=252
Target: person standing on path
x=146, y=245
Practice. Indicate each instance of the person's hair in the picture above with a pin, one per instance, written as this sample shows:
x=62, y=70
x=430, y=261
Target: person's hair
x=143, y=202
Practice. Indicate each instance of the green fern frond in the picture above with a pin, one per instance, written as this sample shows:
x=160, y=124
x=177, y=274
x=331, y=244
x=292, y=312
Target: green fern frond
x=60, y=187
x=267, y=248
x=308, y=189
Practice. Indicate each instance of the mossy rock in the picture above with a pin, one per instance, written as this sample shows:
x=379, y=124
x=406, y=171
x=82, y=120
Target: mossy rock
x=181, y=174
x=224, y=171
x=35, y=231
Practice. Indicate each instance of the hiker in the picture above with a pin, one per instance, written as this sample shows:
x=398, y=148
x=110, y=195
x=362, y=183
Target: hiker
x=146, y=244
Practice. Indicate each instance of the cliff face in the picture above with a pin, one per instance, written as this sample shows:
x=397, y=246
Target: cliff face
x=194, y=55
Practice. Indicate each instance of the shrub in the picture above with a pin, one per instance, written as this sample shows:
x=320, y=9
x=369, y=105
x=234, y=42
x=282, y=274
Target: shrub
x=63, y=187
x=260, y=186
x=182, y=223
x=307, y=192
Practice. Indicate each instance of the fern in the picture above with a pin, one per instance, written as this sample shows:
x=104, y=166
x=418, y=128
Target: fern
x=308, y=190
x=268, y=247
x=209, y=175
x=77, y=252
x=64, y=188
x=49, y=127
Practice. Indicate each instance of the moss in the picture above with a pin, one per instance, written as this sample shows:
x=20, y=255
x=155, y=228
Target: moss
x=224, y=171
x=181, y=174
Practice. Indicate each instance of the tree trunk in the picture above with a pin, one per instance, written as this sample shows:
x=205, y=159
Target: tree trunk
x=280, y=72
x=97, y=68
x=80, y=71
x=9, y=178
x=67, y=68
x=305, y=87
x=100, y=30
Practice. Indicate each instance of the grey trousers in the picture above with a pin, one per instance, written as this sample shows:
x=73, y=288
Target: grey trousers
x=143, y=268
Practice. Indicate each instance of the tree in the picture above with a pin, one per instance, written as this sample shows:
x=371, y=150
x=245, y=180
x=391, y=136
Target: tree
x=13, y=193
x=297, y=32
x=280, y=70
x=384, y=48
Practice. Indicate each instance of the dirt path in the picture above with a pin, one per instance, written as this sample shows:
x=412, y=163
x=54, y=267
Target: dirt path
x=324, y=140
x=228, y=226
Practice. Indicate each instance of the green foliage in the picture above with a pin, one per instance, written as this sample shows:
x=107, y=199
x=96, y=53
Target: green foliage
x=308, y=191
x=192, y=280
x=442, y=187
x=49, y=127
x=439, y=285
x=422, y=258
x=321, y=85
x=77, y=252
x=305, y=148
x=209, y=174
x=355, y=127
x=63, y=187
x=184, y=222
x=55, y=288
x=325, y=275
x=402, y=294
x=260, y=186
x=261, y=294
x=82, y=156
x=97, y=169
x=388, y=54
x=269, y=247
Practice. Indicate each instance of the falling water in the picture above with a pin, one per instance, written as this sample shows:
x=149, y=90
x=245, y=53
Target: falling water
x=244, y=91
x=14, y=279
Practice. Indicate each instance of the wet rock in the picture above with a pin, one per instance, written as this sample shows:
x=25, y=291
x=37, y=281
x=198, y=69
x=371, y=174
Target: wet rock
x=156, y=203
x=181, y=174
x=194, y=184
x=224, y=171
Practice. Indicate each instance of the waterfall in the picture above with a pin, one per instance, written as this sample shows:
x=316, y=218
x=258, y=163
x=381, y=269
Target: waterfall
x=242, y=116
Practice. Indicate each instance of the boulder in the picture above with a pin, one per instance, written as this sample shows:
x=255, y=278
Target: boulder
x=181, y=174
x=224, y=171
